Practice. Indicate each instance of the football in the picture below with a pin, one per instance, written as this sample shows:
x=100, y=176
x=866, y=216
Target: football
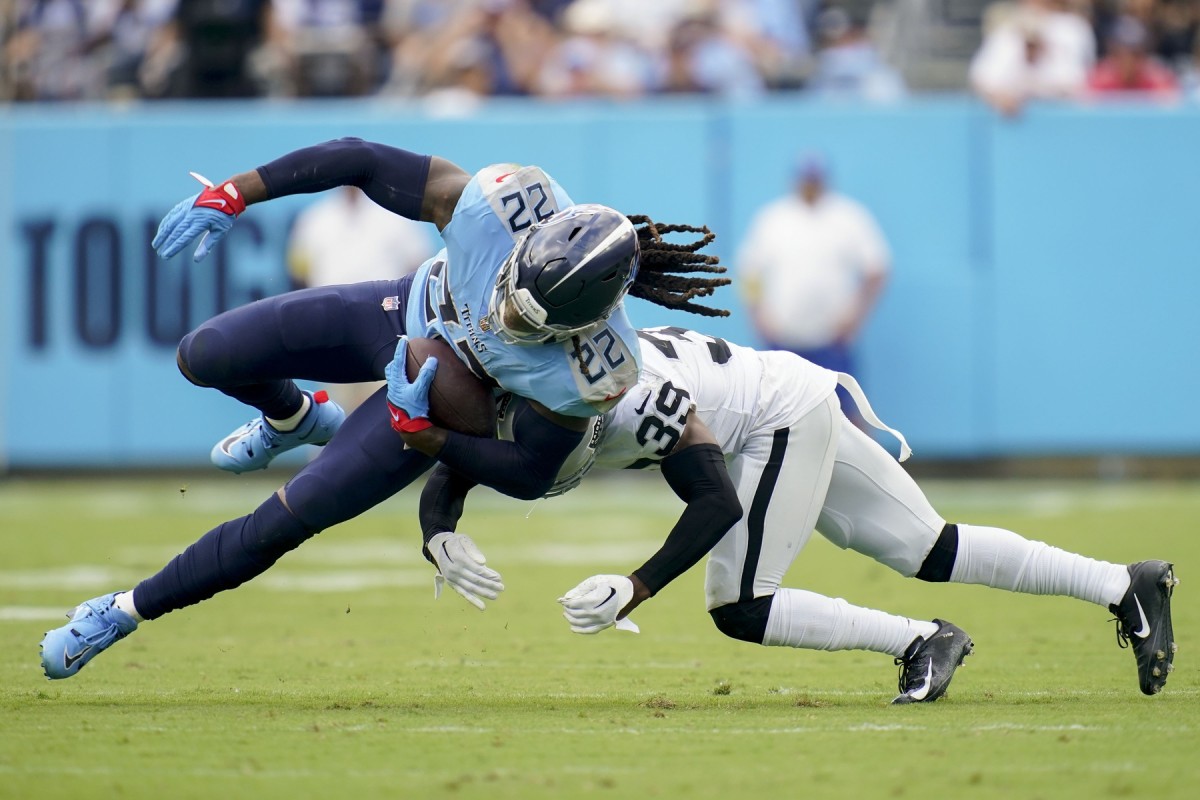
x=458, y=400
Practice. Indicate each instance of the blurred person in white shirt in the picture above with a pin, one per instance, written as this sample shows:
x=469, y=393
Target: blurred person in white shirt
x=346, y=238
x=1032, y=50
x=811, y=269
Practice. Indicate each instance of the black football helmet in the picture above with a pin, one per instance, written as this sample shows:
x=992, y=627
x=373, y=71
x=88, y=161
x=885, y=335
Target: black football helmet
x=566, y=273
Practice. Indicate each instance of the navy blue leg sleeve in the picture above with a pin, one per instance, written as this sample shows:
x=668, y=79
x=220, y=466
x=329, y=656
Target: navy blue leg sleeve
x=364, y=464
x=225, y=557
x=335, y=334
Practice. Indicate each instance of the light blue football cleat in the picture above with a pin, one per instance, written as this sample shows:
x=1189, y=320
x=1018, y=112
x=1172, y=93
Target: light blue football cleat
x=256, y=443
x=94, y=626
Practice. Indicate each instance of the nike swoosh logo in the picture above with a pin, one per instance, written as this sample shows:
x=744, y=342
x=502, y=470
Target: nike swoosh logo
x=69, y=661
x=608, y=397
x=505, y=175
x=920, y=693
x=611, y=594
x=397, y=415
x=1145, y=629
x=227, y=442
x=216, y=202
x=642, y=407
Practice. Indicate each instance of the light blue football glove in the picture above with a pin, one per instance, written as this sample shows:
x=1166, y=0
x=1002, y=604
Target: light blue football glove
x=408, y=401
x=210, y=212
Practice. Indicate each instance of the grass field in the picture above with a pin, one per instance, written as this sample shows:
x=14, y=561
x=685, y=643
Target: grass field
x=337, y=675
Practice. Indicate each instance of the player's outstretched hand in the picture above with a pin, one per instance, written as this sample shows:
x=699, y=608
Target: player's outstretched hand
x=594, y=604
x=408, y=401
x=209, y=214
x=462, y=565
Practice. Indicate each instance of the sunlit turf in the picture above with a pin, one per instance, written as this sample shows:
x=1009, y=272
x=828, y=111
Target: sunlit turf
x=337, y=674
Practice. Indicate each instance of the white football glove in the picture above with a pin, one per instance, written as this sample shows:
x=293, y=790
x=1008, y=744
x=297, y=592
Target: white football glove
x=594, y=604
x=460, y=564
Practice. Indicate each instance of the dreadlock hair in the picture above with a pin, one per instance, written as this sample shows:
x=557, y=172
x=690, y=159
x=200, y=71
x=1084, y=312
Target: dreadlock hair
x=663, y=277
x=665, y=274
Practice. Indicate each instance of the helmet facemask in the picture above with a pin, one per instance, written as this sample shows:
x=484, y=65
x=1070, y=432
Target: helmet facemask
x=586, y=247
x=514, y=316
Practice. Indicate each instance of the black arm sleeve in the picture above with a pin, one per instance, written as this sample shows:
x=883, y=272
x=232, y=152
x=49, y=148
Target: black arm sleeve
x=698, y=475
x=524, y=468
x=442, y=502
x=393, y=178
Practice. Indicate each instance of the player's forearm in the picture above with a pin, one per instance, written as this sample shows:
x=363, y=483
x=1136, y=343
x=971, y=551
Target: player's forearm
x=513, y=468
x=698, y=475
x=393, y=178
x=524, y=468
x=705, y=520
x=442, y=500
x=641, y=593
x=251, y=187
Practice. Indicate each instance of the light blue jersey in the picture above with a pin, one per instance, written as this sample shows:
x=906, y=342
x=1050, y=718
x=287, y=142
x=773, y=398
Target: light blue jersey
x=451, y=293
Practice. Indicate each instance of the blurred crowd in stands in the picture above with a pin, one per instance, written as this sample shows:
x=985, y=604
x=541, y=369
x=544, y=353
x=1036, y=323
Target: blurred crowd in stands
x=1072, y=49
x=452, y=53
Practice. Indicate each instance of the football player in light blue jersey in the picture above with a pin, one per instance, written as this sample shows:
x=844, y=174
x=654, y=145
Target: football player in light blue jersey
x=528, y=290
x=495, y=210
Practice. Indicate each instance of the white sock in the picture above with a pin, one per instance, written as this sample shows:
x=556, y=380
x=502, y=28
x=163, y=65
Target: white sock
x=1002, y=559
x=124, y=601
x=289, y=424
x=814, y=622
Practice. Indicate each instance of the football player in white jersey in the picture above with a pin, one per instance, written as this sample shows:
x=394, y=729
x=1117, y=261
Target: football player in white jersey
x=756, y=445
x=528, y=291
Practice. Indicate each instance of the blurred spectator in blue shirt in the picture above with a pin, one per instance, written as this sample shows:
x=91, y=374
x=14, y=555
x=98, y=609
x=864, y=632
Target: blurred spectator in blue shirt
x=508, y=35
x=703, y=58
x=778, y=35
x=848, y=64
x=46, y=56
x=594, y=58
x=323, y=48
x=130, y=36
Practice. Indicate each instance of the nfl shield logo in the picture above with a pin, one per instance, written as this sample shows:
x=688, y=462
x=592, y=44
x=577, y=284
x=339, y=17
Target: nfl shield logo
x=391, y=303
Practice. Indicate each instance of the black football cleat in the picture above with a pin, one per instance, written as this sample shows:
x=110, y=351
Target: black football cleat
x=928, y=664
x=1144, y=622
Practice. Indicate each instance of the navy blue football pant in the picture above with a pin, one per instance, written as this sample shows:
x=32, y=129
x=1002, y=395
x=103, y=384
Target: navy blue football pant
x=339, y=334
